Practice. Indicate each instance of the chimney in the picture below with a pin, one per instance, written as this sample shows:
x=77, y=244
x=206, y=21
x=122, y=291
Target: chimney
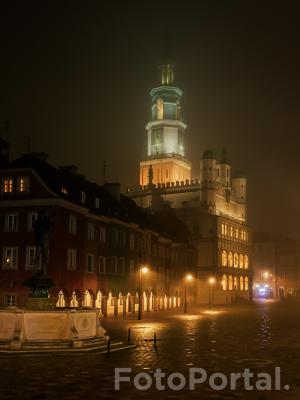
x=73, y=169
x=113, y=189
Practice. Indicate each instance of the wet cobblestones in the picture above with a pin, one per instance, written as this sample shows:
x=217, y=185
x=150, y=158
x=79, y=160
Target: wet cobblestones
x=222, y=340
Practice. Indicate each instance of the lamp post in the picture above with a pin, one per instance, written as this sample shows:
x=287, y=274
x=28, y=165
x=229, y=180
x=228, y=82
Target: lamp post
x=142, y=270
x=187, y=278
x=211, y=282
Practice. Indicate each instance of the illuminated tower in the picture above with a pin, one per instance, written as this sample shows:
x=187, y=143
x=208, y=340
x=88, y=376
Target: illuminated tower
x=166, y=134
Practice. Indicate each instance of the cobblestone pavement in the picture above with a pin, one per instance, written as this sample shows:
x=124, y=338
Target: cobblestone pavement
x=226, y=340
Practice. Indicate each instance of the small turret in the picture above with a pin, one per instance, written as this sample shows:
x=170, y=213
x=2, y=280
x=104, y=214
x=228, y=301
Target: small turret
x=224, y=170
x=167, y=73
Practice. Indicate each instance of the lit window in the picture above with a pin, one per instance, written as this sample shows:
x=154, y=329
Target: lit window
x=225, y=230
x=236, y=233
x=230, y=282
x=10, y=300
x=97, y=202
x=246, y=262
x=71, y=259
x=121, y=266
x=246, y=283
x=64, y=190
x=82, y=197
x=73, y=225
x=241, y=283
x=23, y=184
x=235, y=260
x=241, y=261
x=231, y=231
x=224, y=282
x=102, y=234
x=30, y=258
x=32, y=217
x=224, y=258
x=102, y=265
x=11, y=222
x=235, y=283
x=91, y=231
x=10, y=258
x=90, y=262
x=230, y=259
x=114, y=265
x=7, y=185
x=160, y=109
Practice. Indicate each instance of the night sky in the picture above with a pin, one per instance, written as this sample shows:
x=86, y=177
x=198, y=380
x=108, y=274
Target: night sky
x=75, y=78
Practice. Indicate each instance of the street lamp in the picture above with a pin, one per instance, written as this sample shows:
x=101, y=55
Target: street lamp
x=187, y=278
x=211, y=282
x=143, y=270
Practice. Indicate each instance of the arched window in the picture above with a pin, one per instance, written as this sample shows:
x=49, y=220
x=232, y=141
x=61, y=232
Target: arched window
x=246, y=283
x=235, y=260
x=224, y=282
x=230, y=259
x=241, y=261
x=160, y=109
x=246, y=262
x=224, y=258
x=241, y=283
x=230, y=283
x=235, y=283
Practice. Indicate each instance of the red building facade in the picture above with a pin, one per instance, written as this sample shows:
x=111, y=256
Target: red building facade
x=98, y=241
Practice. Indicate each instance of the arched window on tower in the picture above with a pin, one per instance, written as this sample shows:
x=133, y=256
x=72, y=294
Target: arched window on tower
x=160, y=109
x=230, y=259
x=235, y=260
x=224, y=258
x=246, y=262
x=230, y=283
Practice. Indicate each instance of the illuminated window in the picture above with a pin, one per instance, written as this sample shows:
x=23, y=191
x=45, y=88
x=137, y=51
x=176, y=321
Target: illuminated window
x=241, y=283
x=224, y=282
x=241, y=261
x=230, y=282
x=23, y=184
x=225, y=230
x=72, y=259
x=231, y=231
x=224, y=258
x=246, y=283
x=236, y=233
x=90, y=263
x=10, y=300
x=235, y=283
x=102, y=265
x=246, y=262
x=160, y=109
x=10, y=258
x=235, y=260
x=11, y=222
x=230, y=259
x=64, y=190
x=7, y=185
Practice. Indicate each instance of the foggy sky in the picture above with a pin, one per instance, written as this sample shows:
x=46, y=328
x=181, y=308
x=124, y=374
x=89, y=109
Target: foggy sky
x=75, y=77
